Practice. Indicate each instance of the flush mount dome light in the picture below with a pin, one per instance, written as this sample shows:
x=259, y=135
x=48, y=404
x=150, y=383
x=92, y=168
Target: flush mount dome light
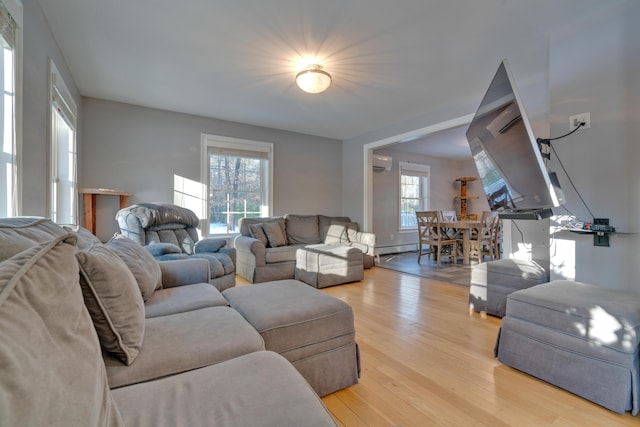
x=313, y=79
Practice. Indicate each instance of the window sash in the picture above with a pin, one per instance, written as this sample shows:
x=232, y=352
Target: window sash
x=414, y=193
x=234, y=194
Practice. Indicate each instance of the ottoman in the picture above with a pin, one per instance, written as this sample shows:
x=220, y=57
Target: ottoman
x=579, y=337
x=311, y=329
x=492, y=281
x=328, y=265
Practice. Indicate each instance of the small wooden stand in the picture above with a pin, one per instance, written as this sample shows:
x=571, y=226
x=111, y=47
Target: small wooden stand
x=463, y=197
x=89, y=201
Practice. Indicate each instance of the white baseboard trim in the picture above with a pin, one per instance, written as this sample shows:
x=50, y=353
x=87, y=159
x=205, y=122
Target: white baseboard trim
x=383, y=250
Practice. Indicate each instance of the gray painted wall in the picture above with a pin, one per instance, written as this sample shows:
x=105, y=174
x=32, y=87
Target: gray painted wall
x=139, y=149
x=595, y=67
x=38, y=46
x=443, y=188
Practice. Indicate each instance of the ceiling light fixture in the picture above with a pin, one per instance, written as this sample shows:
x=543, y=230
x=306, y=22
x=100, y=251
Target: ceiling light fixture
x=313, y=79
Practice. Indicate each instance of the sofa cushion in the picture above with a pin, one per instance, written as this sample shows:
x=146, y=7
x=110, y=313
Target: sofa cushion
x=293, y=317
x=144, y=267
x=184, y=341
x=18, y=234
x=604, y=317
x=275, y=235
x=282, y=253
x=258, y=389
x=181, y=299
x=51, y=369
x=114, y=301
x=302, y=229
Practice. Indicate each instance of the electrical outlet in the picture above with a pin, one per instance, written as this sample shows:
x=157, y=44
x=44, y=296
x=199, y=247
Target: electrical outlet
x=574, y=121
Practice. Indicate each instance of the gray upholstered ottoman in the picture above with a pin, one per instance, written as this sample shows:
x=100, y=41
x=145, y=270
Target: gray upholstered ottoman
x=579, y=337
x=328, y=265
x=311, y=329
x=491, y=282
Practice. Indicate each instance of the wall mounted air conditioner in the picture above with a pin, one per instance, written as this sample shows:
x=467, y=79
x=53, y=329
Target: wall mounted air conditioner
x=381, y=163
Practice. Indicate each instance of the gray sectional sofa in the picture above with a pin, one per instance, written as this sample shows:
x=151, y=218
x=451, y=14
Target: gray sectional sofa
x=266, y=247
x=103, y=334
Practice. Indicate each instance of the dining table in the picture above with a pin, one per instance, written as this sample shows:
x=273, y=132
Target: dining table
x=464, y=228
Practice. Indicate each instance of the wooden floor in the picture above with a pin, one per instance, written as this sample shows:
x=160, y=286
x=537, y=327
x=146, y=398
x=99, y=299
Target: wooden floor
x=427, y=361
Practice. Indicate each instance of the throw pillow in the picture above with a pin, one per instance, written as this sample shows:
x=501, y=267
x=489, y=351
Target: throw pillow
x=51, y=366
x=85, y=237
x=159, y=249
x=18, y=234
x=144, y=267
x=209, y=244
x=274, y=233
x=336, y=233
x=352, y=231
x=114, y=301
x=257, y=232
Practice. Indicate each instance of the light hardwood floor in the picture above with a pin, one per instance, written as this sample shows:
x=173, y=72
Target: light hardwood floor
x=427, y=361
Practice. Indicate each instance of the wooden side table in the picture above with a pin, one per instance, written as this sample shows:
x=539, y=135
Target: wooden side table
x=89, y=196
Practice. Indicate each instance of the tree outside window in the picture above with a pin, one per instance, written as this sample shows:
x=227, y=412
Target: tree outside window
x=238, y=178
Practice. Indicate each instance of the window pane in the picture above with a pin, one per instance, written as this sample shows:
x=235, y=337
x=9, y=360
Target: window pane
x=7, y=156
x=235, y=191
x=413, y=197
x=63, y=192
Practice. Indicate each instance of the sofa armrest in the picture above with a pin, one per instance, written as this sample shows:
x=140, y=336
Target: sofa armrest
x=249, y=248
x=368, y=239
x=184, y=272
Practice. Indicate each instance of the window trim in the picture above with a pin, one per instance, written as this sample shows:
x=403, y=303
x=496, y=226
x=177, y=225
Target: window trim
x=16, y=10
x=208, y=140
x=414, y=167
x=60, y=94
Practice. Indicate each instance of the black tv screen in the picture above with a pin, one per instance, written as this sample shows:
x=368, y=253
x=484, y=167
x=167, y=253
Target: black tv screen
x=506, y=154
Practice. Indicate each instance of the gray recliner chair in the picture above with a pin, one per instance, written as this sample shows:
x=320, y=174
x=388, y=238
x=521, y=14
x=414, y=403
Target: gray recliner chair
x=169, y=232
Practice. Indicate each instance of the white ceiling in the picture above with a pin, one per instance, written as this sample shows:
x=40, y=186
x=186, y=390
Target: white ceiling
x=237, y=59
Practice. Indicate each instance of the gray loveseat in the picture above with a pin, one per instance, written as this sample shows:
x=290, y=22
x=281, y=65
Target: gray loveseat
x=103, y=334
x=264, y=254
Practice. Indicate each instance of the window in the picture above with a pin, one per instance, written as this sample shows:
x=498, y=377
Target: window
x=238, y=177
x=414, y=193
x=63, y=194
x=9, y=57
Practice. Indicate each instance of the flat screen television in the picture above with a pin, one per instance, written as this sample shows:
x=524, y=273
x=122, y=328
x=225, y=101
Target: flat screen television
x=514, y=177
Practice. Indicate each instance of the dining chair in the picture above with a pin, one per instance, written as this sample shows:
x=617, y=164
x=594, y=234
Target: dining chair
x=482, y=243
x=448, y=216
x=431, y=233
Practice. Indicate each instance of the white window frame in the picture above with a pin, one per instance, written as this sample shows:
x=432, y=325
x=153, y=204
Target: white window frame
x=207, y=141
x=424, y=201
x=14, y=7
x=66, y=106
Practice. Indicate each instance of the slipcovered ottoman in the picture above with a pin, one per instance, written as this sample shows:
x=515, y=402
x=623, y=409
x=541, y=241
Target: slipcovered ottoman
x=579, y=337
x=328, y=265
x=311, y=329
x=492, y=281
